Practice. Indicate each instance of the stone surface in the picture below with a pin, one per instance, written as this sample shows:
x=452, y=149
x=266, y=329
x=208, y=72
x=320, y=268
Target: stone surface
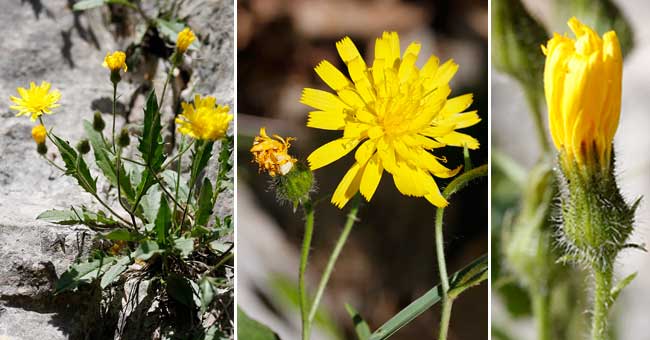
x=47, y=41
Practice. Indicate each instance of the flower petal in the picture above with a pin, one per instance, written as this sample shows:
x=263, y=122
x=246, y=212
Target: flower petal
x=371, y=177
x=330, y=152
x=348, y=186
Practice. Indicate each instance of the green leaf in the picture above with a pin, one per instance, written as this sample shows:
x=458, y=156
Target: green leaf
x=360, y=325
x=146, y=250
x=466, y=277
x=77, y=216
x=75, y=165
x=82, y=272
x=150, y=203
x=87, y=4
x=170, y=30
x=205, y=203
x=169, y=177
x=616, y=291
x=65, y=217
x=184, y=245
x=225, y=164
x=200, y=157
x=250, y=329
x=470, y=276
x=121, y=234
x=180, y=289
x=106, y=163
x=163, y=221
x=207, y=291
x=151, y=145
x=114, y=272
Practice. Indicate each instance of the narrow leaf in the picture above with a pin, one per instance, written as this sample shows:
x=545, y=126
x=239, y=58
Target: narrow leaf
x=251, y=329
x=616, y=291
x=426, y=301
x=87, y=4
x=163, y=221
x=206, y=292
x=121, y=234
x=360, y=326
x=205, y=204
x=114, y=272
x=151, y=141
x=146, y=250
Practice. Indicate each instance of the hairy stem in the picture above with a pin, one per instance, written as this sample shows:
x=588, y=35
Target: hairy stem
x=347, y=228
x=457, y=184
x=114, y=109
x=304, y=255
x=602, y=301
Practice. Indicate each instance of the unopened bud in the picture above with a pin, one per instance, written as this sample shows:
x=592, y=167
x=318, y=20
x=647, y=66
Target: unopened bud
x=98, y=122
x=123, y=139
x=83, y=146
x=41, y=148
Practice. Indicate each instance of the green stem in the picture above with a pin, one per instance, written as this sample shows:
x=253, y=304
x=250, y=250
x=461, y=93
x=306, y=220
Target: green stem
x=532, y=97
x=602, y=301
x=178, y=179
x=169, y=77
x=347, y=228
x=119, y=187
x=457, y=184
x=114, y=109
x=541, y=311
x=180, y=153
x=304, y=255
x=447, y=302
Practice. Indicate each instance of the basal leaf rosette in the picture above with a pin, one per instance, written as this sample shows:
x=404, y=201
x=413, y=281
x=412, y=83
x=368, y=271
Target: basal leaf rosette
x=394, y=114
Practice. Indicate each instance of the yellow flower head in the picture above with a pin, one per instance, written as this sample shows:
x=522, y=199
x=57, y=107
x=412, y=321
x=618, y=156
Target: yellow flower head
x=271, y=153
x=396, y=113
x=582, y=82
x=204, y=119
x=39, y=133
x=185, y=38
x=36, y=100
x=115, y=61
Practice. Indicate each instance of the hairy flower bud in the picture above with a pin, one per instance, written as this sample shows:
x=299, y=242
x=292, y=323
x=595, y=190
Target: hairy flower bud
x=123, y=139
x=98, y=122
x=83, y=146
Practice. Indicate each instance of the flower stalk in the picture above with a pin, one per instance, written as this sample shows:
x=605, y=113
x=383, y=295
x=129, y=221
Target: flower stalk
x=447, y=301
x=308, y=210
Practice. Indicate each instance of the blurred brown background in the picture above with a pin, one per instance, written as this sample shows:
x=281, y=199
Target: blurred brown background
x=389, y=259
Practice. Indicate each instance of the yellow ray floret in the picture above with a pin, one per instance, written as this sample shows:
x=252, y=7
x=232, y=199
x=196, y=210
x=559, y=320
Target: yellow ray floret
x=185, y=38
x=582, y=83
x=272, y=153
x=36, y=100
x=203, y=119
x=115, y=61
x=39, y=133
x=393, y=114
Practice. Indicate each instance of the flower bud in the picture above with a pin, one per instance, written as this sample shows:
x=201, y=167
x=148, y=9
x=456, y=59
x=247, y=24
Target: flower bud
x=98, y=122
x=123, y=139
x=602, y=15
x=115, y=62
x=83, y=146
x=185, y=38
x=582, y=82
x=39, y=133
x=41, y=148
x=296, y=185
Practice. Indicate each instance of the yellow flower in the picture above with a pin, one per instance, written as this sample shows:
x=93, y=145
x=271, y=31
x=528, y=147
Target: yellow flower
x=271, y=153
x=582, y=82
x=36, y=100
x=39, y=133
x=203, y=120
x=184, y=40
x=396, y=113
x=115, y=61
